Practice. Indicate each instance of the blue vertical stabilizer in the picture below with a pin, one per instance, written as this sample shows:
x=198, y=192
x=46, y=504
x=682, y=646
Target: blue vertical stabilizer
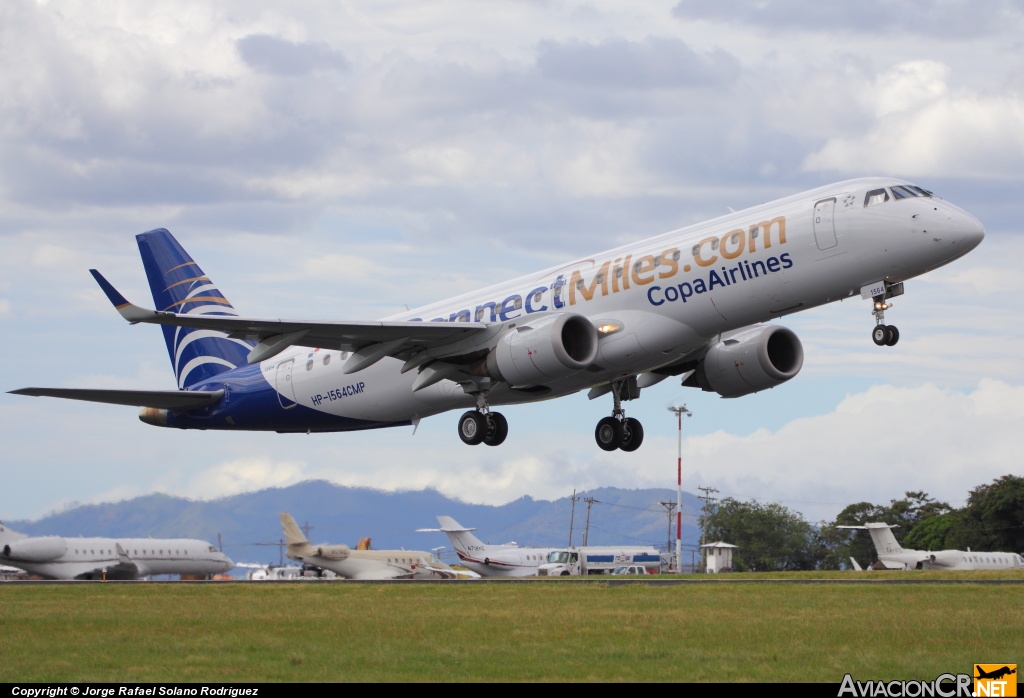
x=180, y=286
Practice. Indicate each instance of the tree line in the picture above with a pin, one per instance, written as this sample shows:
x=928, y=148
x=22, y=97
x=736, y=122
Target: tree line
x=773, y=538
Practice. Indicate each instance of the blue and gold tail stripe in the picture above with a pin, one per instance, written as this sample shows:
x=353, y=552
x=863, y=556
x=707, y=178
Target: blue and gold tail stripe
x=179, y=285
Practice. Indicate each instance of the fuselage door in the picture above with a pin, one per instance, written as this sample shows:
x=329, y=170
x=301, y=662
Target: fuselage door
x=825, y=224
x=283, y=383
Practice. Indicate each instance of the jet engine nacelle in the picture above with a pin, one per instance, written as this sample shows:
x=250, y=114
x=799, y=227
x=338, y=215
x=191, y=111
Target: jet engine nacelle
x=757, y=359
x=36, y=549
x=333, y=552
x=540, y=351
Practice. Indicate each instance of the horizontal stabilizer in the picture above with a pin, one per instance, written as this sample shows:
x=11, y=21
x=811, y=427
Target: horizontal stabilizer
x=161, y=399
x=448, y=525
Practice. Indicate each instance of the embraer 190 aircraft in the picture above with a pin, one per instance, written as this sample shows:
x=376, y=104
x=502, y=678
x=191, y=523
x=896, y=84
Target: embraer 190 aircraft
x=54, y=557
x=688, y=303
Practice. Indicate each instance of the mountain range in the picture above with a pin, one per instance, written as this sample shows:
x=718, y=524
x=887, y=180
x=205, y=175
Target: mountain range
x=247, y=526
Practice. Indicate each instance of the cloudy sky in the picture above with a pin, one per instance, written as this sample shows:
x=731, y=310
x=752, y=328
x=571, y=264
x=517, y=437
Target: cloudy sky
x=340, y=160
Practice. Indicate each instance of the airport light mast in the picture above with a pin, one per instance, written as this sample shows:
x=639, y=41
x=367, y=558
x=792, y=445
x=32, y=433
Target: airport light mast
x=679, y=410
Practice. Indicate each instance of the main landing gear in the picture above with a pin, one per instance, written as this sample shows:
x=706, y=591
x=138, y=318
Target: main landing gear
x=619, y=431
x=885, y=335
x=481, y=425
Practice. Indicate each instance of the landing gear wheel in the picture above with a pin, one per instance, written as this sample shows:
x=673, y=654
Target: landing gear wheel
x=880, y=335
x=472, y=427
x=894, y=335
x=608, y=433
x=496, y=429
x=632, y=434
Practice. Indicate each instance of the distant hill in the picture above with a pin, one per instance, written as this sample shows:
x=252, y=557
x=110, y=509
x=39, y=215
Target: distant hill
x=250, y=529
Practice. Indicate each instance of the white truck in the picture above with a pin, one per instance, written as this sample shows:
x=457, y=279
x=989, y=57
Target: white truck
x=573, y=562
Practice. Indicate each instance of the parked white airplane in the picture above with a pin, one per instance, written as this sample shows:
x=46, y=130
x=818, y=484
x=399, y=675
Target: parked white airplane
x=892, y=555
x=55, y=557
x=508, y=560
x=365, y=564
x=688, y=303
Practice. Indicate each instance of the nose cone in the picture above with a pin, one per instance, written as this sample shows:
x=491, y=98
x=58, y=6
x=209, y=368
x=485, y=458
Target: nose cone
x=226, y=562
x=958, y=233
x=972, y=231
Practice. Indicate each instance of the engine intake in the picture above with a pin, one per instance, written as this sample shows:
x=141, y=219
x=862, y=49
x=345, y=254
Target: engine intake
x=547, y=349
x=754, y=360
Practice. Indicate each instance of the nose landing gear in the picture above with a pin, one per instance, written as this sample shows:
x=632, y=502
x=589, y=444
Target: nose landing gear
x=884, y=335
x=619, y=431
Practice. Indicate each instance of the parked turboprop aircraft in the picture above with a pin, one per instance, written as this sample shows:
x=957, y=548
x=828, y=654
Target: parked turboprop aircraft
x=891, y=554
x=55, y=557
x=365, y=564
x=688, y=303
x=508, y=560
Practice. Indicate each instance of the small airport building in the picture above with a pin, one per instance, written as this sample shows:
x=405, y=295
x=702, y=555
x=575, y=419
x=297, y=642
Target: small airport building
x=718, y=557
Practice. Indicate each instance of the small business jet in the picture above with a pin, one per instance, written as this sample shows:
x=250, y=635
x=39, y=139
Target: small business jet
x=54, y=557
x=894, y=556
x=508, y=560
x=365, y=564
x=689, y=303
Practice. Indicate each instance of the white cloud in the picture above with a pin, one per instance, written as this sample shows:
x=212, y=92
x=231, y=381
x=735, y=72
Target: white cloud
x=243, y=475
x=873, y=447
x=925, y=129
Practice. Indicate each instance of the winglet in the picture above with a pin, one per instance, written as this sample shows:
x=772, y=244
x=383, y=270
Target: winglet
x=131, y=313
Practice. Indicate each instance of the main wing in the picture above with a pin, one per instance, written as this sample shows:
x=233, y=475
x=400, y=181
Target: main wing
x=369, y=342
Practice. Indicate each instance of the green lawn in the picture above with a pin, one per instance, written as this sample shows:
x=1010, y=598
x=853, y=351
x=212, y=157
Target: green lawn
x=546, y=630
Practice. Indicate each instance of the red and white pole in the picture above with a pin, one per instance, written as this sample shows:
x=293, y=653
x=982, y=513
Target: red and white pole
x=680, y=411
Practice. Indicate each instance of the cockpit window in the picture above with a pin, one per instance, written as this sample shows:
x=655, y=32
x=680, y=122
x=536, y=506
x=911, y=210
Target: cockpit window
x=876, y=196
x=906, y=191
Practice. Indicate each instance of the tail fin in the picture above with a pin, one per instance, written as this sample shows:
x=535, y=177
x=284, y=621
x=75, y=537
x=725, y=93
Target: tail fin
x=460, y=536
x=180, y=286
x=292, y=533
x=9, y=536
x=881, y=535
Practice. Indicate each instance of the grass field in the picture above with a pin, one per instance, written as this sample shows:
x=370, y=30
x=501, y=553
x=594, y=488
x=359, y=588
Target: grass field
x=545, y=630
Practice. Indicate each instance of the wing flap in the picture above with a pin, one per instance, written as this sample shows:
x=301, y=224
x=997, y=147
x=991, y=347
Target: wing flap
x=161, y=399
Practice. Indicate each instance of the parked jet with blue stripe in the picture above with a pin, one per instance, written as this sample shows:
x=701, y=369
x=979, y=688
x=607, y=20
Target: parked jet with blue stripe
x=688, y=303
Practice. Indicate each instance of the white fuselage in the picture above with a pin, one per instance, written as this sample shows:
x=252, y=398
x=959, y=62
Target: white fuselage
x=503, y=560
x=669, y=295
x=375, y=564
x=944, y=560
x=98, y=557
